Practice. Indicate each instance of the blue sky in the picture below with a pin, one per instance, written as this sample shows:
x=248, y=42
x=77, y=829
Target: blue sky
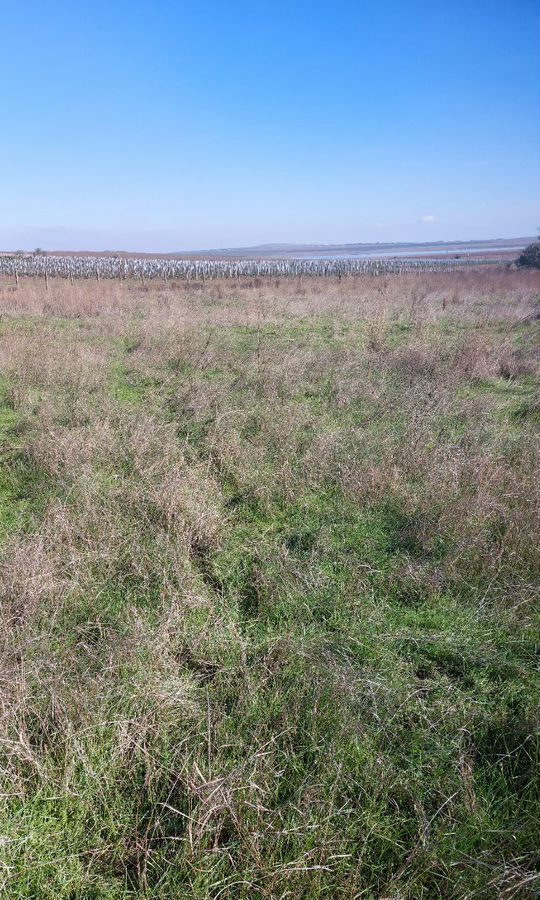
x=183, y=125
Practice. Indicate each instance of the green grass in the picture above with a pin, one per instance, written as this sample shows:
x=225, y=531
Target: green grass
x=280, y=639
x=23, y=487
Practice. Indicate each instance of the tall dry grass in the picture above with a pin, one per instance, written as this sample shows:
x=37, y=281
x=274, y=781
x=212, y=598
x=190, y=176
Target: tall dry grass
x=270, y=569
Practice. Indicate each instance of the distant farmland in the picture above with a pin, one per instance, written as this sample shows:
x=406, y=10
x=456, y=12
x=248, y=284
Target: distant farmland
x=122, y=267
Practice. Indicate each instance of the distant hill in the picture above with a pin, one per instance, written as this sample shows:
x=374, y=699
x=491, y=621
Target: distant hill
x=505, y=246
x=364, y=249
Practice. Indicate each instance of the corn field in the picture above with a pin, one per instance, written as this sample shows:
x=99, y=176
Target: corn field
x=168, y=269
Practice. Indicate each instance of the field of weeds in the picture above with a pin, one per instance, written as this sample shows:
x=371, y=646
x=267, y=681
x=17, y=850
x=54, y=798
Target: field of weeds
x=269, y=588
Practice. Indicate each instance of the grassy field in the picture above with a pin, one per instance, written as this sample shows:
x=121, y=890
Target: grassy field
x=270, y=563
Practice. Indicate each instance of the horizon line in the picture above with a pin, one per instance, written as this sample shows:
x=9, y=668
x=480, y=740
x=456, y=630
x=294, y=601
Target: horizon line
x=287, y=246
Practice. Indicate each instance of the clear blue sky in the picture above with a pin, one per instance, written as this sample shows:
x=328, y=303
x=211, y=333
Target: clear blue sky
x=172, y=125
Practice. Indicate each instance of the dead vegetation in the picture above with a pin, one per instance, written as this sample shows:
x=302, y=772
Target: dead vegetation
x=270, y=570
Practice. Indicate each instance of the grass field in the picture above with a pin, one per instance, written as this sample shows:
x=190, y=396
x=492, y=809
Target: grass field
x=270, y=571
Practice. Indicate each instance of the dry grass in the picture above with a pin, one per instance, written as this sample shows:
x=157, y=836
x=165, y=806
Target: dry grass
x=270, y=565
x=468, y=295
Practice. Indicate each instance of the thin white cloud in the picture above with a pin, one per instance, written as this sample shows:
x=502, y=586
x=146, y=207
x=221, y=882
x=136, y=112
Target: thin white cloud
x=428, y=219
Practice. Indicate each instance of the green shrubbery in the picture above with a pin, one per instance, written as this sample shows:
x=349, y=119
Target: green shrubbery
x=530, y=258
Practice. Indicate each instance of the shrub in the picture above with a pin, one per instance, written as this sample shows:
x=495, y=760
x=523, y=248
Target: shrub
x=530, y=258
